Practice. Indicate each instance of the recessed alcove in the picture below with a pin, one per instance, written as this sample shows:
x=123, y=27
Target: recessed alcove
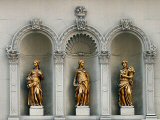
x=127, y=46
x=36, y=46
x=81, y=46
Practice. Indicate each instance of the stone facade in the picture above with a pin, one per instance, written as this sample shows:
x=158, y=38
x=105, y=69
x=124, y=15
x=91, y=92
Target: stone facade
x=54, y=27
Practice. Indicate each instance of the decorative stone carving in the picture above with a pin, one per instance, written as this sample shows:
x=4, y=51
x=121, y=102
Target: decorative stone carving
x=91, y=31
x=150, y=56
x=36, y=24
x=81, y=45
x=80, y=13
x=12, y=54
x=59, y=57
x=125, y=24
x=104, y=57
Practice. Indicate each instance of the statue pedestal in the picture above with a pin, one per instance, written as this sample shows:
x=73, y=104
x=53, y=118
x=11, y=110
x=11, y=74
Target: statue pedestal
x=83, y=110
x=36, y=111
x=127, y=110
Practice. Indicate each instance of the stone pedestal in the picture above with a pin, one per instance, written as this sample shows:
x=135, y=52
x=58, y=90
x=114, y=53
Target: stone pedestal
x=36, y=111
x=127, y=110
x=83, y=110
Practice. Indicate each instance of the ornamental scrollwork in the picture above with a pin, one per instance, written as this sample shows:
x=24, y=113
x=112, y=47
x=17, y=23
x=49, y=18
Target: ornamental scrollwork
x=80, y=13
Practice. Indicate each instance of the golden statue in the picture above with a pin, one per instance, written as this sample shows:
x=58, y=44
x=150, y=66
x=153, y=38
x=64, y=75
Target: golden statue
x=126, y=85
x=82, y=84
x=34, y=84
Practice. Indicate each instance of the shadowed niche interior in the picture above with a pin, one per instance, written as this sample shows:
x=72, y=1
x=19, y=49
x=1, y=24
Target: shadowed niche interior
x=81, y=46
x=127, y=46
x=36, y=46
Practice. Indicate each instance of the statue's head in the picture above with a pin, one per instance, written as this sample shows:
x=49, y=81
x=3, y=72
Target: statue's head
x=81, y=63
x=36, y=62
x=125, y=63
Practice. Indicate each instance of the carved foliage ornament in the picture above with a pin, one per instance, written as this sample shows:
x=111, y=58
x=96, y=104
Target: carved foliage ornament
x=80, y=13
x=12, y=54
x=125, y=24
x=36, y=24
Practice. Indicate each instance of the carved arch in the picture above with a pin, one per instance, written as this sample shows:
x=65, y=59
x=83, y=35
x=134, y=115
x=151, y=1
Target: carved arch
x=35, y=26
x=126, y=26
x=91, y=31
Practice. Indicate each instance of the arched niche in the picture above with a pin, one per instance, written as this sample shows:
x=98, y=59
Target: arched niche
x=36, y=46
x=81, y=45
x=126, y=41
x=33, y=41
x=126, y=46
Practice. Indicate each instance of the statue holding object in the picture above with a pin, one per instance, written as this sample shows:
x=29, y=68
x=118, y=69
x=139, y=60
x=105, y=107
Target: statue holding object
x=126, y=85
x=34, y=85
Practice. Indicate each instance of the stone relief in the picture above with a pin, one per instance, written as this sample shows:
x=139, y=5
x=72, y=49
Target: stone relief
x=125, y=24
x=12, y=54
x=36, y=24
x=81, y=45
x=81, y=13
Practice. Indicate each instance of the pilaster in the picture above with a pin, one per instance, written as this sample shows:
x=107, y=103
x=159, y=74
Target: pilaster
x=13, y=57
x=149, y=57
x=105, y=85
x=59, y=62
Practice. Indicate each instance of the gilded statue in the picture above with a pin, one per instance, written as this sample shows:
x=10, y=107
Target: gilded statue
x=82, y=84
x=34, y=85
x=126, y=85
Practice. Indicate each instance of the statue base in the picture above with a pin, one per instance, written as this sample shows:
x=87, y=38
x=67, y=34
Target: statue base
x=83, y=110
x=127, y=110
x=36, y=111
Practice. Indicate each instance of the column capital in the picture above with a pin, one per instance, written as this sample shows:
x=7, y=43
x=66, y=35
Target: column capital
x=150, y=56
x=12, y=54
x=59, y=57
x=104, y=57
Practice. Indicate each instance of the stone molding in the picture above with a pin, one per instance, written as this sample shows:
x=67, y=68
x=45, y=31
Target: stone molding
x=80, y=13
